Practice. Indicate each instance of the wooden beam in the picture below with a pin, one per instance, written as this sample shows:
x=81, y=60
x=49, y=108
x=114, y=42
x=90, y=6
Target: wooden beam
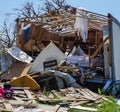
x=8, y=106
x=29, y=95
x=99, y=48
x=83, y=108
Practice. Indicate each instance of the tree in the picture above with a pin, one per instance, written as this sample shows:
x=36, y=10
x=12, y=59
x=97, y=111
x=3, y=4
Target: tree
x=28, y=10
x=8, y=34
x=8, y=31
x=50, y=5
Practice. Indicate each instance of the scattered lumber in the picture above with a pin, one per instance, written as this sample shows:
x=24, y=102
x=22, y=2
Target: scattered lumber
x=5, y=110
x=99, y=48
x=73, y=98
x=11, y=105
x=83, y=108
x=66, y=99
x=78, y=103
x=8, y=106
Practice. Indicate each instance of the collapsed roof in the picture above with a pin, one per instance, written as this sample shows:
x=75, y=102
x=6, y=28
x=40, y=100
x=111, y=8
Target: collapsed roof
x=62, y=21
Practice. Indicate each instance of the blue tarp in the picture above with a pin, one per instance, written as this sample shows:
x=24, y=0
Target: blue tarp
x=26, y=33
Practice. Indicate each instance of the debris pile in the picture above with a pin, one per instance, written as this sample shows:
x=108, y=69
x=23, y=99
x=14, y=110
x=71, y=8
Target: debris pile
x=64, y=51
x=25, y=100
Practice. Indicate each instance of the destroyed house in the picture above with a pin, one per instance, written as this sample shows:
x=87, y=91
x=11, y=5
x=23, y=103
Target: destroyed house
x=95, y=33
x=61, y=27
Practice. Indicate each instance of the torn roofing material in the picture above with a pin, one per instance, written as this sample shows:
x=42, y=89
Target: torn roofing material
x=62, y=21
x=19, y=55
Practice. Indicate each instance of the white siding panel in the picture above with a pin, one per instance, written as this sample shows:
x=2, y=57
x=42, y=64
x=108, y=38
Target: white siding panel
x=116, y=49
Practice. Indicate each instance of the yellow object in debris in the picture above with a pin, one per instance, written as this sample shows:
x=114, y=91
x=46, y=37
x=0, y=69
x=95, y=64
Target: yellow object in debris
x=25, y=81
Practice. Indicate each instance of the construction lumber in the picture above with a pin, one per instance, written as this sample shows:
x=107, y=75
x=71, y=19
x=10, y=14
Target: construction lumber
x=64, y=99
x=5, y=110
x=29, y=95
x=78, y=103
x=8, y=106
x=99, y=48
x=73, y=97
x=21, y=88
x=83, y=108
x=50, y=108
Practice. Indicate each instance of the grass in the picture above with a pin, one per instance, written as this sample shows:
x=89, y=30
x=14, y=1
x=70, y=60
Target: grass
x=109, y=106
x=105, y=106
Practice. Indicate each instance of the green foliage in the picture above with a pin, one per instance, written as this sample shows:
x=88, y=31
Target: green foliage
x=105, y=106
x=99, y=91
x=109, y=106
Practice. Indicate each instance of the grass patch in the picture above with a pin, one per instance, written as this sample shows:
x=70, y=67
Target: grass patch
x=109, y=106
x=104, y=106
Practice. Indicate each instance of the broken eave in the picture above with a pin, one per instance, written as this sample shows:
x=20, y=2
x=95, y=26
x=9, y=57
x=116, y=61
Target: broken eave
x=62, y=21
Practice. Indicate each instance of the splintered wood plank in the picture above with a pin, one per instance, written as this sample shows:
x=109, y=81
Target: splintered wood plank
x=21, y=108
x=21, y=88
x=21, y=95
x=84, y=108
x=99, y=48
x=5, y=110
x=64, y=99
x=28, y=93
x=8, y=106
x=51, y=96
x=50, y=108
x=19, y=92
x=56, y=94
x=17, y=101
x=78, y=103
x=86, y=95
x=95, y=95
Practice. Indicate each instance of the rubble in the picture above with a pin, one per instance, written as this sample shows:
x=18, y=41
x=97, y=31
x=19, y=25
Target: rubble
x=64, y=61
x=25, y=100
